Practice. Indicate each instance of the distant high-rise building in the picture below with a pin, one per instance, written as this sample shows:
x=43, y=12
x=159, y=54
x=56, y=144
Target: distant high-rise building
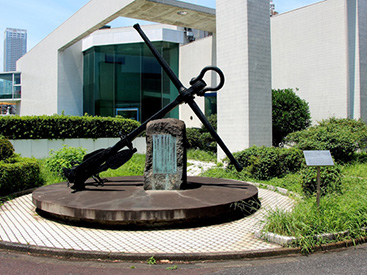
x=15, y=46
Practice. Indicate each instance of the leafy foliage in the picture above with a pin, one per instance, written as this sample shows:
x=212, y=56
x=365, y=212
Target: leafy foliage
x=6, y=148
x=343, y=137
x=337, y=213
x=152, y=261
x=268, y=162
x=201, y=155
x=66, y=157
x=61, y=127
x=330, y=180
x=18, y=174
x=193, y=138
x=200, y=138
x=134, y=167
x=290, y=114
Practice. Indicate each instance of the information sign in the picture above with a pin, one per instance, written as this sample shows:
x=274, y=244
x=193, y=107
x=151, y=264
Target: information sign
x=318, y=158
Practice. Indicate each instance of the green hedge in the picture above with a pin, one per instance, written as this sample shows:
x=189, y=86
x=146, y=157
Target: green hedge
x=18, y=174
x=343, y=137
x=61, y=127
x=264, y=163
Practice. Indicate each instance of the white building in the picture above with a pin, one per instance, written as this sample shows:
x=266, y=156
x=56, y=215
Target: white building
x=319, y=49
x=52, y=72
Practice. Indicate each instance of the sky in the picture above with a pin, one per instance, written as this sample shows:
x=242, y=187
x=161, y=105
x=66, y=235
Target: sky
x=41, y=17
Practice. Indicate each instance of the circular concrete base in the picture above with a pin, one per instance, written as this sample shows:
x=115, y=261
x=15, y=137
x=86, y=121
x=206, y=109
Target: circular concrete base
x=122, y=201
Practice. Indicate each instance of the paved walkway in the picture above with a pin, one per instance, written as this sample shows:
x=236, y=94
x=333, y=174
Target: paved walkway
x=20, y=224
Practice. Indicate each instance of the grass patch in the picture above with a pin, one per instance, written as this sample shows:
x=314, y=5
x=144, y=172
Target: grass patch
x=342, y=212
x=337, y=213
x=134, y=167
x=291, y=182
x=201, y=155
x=48, y=176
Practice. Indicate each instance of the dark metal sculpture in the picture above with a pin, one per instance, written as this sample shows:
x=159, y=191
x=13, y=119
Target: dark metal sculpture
x=103, y=159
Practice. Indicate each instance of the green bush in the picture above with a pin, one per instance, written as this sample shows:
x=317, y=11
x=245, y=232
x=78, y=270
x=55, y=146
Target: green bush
x=360, y=157
x=330, y=180
x=61, y=127
x=193, y=138
x=343, y=137
x=6, y=149
x=66, y=157
x=268, y=162
x=200, y=138
x=18, y=175
x=290, y=113
x=213, y=121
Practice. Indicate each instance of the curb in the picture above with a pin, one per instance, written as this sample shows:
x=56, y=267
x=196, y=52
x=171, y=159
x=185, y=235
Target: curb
x=234, y=255
x=91, y=255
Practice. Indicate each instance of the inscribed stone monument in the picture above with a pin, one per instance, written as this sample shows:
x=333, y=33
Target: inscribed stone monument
x=165, y=167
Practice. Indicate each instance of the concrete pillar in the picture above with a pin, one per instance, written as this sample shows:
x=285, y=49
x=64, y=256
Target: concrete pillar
x=244, y=55
x=362, y=49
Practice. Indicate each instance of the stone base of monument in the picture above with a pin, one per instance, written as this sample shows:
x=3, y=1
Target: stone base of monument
x=123, y=202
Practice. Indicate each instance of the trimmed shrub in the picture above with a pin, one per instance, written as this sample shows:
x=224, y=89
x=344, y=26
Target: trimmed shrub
x=343, y=137
x=330, y=180
x=18, y=175
x=200, y=138
x=264, y=163
x=290, y=113
x=6, y=149
x=66, y=157
x=61, y=127
x=193, y=138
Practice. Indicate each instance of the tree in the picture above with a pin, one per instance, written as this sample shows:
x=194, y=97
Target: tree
x=290, y=114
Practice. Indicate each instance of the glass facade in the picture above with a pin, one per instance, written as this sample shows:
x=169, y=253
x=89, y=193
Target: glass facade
x=127, y=80
x=10, y=86
x=210, y=104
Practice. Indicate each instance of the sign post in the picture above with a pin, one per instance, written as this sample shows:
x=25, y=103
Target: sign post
x=318, y=159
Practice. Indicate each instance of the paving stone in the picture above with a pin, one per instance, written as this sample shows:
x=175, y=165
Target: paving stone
x=232, y=236
x=19, y=223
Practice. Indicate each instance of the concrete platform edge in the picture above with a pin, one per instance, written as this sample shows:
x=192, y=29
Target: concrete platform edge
x=90, y=255
x=234, y=255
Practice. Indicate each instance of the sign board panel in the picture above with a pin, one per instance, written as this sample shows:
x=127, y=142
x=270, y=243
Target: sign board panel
x=164, y=154
x=318, y=158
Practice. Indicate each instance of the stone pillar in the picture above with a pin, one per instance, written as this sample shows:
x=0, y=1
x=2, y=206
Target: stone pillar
x=165, y=166
x=244, y=55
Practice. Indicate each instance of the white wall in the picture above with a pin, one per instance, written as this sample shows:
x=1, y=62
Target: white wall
x=310, y=52
x=155, y=32
x=193, y=58
x=70, y=81
x=39, y=79
x=40, y=148
x=40, y=69
x=243, y=53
